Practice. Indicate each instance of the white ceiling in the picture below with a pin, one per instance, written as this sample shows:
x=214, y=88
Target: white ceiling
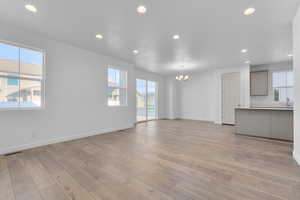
x=212, y=32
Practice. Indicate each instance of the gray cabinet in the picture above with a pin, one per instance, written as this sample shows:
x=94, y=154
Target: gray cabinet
x=282, y=125
x=267, y=123
x=259, y=83
x=253, y=122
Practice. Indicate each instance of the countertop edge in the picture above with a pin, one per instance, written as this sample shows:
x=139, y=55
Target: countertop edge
x=275, y=109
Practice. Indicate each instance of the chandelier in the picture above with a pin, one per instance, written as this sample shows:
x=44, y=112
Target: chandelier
x=182, y=77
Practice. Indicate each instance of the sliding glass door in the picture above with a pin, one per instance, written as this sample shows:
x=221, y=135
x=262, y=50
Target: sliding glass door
x=151, y=100
x=146, y=100
x=141, y=100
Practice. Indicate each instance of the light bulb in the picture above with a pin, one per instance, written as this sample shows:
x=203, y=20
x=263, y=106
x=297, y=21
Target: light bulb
x=176, y=37
x=31, y=8
x=141, y=9
x=249, y=11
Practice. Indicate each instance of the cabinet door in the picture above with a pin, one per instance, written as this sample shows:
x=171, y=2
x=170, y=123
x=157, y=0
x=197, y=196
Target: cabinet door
x=259, y=83
x=253, y=122
x=282, y=125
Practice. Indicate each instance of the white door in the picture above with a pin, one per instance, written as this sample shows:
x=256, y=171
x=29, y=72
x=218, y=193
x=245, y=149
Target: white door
x=231, y=96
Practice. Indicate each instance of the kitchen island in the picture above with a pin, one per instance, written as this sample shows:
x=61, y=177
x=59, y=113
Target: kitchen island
x=267, y=122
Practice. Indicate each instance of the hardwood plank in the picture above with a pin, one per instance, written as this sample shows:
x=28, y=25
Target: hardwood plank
x=38, y=173
x=67, y=183
x=53, y=192
x=22, y=182
x=47, y=186
x=169, y=159
x=6, y=191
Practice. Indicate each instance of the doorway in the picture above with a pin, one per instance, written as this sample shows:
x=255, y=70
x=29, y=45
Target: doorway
x=146, y=100
x=231, y=91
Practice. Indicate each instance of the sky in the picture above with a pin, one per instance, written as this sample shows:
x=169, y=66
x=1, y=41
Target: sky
x=114, y=76
x=26, y=55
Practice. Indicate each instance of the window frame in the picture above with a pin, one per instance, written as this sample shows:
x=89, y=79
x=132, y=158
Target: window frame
x=285, y=87
x=42, y=80
x=126, y=88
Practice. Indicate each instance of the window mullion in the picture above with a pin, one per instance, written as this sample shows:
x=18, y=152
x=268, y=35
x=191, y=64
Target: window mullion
x=19, y=101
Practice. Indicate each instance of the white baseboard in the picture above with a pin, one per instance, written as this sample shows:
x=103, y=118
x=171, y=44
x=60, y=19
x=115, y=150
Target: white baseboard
x=296, y=157
x=194, y=119
x=60, y=139
x=217, y=122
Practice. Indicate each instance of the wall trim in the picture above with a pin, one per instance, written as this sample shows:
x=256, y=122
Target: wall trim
x=296, y=157
x=40, y=143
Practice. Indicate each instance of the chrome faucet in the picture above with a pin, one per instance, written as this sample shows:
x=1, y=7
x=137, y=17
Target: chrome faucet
x=288, y=102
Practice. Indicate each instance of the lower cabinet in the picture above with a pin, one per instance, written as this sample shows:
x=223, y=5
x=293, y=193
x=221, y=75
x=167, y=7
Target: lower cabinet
x=277, y=124
x=282, y=125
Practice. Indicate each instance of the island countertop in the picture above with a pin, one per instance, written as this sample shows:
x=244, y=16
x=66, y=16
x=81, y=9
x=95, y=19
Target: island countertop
x=267, y=122
x=266, y=108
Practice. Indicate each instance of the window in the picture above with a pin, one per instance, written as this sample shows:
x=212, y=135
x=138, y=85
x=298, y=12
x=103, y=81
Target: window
x=117, y=87
x=21, y=77
x=283, y=83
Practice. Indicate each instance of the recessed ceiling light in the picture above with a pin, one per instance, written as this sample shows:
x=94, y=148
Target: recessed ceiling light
x=244, y=50
x=99, y=36
x=290, y=55
x=249, y=11
x=247, y=62
x=176, y=37
x=141, y=9
x=31, y=8
x=135, y=51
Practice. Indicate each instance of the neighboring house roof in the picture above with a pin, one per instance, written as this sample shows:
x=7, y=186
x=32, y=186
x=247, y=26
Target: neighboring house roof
x=12, y=66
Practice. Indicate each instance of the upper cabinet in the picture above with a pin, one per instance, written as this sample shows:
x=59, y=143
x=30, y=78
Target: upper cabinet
x=259, y=83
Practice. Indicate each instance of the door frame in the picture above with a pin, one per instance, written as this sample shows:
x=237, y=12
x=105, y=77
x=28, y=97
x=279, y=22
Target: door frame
x=222, y=93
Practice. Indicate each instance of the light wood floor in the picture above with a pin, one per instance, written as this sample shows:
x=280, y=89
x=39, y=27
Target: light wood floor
x=156, y=160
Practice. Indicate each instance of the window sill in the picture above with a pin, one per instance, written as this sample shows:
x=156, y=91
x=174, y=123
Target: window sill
x=23, y=109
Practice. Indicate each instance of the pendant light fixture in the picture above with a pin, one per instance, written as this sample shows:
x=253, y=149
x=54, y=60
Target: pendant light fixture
x=30, y=5
x=182, y=77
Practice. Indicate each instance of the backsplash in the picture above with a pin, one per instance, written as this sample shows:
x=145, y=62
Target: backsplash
x=266, y=101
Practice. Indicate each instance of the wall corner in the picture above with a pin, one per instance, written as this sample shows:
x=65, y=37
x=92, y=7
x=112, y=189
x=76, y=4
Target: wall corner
x=296, y=157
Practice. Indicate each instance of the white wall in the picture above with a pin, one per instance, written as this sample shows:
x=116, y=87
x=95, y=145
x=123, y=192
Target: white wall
x=198, y=97
x=160, y=80
x=296, y=52
x=201, y=96
x=173, y=101
x=76, y=101
x=269, y=100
